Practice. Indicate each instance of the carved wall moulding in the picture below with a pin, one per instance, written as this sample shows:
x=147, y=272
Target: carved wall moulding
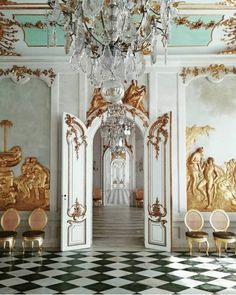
x=158, y=133
x=216, y=71
x=28, y=191
x=72, y=133
x=195, y=25
x=22, y=72
x=157, y=212
x=77, y=212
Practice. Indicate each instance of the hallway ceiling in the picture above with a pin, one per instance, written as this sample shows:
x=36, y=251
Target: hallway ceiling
x=202, y=29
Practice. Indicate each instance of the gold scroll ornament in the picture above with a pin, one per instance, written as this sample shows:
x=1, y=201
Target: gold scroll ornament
x=28, y=191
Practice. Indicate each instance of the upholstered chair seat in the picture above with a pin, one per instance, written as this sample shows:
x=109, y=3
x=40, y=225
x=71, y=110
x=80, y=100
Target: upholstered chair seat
x=220, y=222
x=6, y=234
x=33, y=233
x=224, y=235
x=196, y=234
x=194, y=222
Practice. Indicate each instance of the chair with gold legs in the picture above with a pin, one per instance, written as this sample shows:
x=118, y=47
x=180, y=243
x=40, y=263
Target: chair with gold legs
x=37, y=221
x=10, y=220
x=194, y=222
x=220, y=222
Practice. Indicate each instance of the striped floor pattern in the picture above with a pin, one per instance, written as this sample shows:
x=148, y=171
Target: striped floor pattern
x=117, y=223
x=118, y=197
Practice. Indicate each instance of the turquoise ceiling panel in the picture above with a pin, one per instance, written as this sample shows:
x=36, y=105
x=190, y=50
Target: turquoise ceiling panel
x=183, y=36
x=38, y=37
x=180, y=36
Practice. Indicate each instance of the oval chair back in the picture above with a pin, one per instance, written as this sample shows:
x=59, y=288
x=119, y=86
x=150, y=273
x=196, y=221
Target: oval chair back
x=219, y=220
x=10, y=220
x=38, y=219
x=193, y=220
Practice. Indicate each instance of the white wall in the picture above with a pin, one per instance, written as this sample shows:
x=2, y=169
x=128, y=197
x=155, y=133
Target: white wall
x=70, y=93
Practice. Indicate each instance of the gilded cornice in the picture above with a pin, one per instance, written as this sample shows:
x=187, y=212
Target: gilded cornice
x=214, y=70
x=21, y=72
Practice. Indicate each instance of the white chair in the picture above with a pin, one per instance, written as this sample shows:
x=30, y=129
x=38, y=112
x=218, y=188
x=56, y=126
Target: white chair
x=194, y=222
x=220, y=222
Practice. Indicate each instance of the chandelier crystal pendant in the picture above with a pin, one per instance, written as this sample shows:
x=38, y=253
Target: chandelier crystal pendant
x=117, y=128
x=108, y=38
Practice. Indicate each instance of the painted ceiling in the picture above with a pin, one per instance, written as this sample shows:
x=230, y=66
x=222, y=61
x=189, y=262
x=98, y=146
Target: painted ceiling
x=204, y=27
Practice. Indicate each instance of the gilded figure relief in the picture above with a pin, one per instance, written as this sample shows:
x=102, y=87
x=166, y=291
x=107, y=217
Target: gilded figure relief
x=28, y=191
x=97, y=102
x=210, y=186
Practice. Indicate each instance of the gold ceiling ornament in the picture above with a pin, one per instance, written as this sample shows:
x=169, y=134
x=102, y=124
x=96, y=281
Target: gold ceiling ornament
x=231, y=2
x=158, y=133
x=135, y=95
x=214, y=70
x=229, y=34
x=210, y=186
x=195, y=25
x=77, y=212
x=7, y=36
x=21, y=72
x=72, y=133
x=6, y=2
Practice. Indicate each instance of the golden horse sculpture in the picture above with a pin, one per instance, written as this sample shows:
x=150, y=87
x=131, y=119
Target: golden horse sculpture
x=27, y=191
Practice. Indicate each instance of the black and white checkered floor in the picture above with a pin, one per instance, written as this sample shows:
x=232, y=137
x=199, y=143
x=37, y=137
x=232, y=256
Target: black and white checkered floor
x=109, y=272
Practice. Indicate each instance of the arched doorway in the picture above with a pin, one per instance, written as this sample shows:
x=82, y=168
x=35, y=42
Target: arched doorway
x=77, y=181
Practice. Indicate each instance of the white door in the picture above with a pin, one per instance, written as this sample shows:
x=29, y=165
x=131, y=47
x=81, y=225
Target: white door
x=158, y=192
x=76, y=207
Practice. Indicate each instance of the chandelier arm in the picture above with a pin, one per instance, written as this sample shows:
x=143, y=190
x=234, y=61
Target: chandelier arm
x=103, y=24
x=90, y=33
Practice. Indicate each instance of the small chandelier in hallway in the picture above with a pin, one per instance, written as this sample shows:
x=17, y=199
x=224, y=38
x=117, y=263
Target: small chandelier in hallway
x=117, y=128
x=108, y=38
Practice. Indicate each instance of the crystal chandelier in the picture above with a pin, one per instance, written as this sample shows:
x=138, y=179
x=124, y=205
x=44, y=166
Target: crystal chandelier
x=117, y=128
x=107, y=38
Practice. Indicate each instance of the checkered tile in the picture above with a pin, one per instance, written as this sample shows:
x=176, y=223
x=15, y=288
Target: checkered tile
x=117, y=272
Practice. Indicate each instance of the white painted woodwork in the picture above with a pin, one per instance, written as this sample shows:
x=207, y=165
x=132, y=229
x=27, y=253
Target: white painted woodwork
x=74, y=231
x=158, y=174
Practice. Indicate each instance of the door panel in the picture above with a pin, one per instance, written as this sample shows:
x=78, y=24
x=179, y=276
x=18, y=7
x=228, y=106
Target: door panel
x=158, y=193
x=74, y=206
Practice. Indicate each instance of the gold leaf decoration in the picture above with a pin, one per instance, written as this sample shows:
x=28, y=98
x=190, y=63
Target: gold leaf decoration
x=214, y=70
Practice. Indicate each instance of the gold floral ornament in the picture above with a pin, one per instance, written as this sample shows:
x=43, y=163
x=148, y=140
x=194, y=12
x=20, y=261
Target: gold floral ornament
x=72, y=132
x=195, y=25
x=7, y=36
x=214, y=70
x=21, y=72
x=157, y=212
x=230, y=34
x=77, y=212
x=158, y=133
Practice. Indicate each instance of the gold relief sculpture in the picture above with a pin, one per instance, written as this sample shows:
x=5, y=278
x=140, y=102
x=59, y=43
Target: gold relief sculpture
x=157, y=212
x=216, y=71
x=210, y=186
x=193, y=133
x=158, y=132
x=20, y=72
x=28, y=191
x=97, y=102
x=118, y=155
x=134, y=96
x=72, y=132
x=77, y=212
x=194, y=25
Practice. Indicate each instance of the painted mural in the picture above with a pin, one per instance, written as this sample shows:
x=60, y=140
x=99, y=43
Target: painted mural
x=210, y=144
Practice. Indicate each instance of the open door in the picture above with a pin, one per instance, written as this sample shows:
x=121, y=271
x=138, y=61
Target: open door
x=158, y=192
x=75, y=207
